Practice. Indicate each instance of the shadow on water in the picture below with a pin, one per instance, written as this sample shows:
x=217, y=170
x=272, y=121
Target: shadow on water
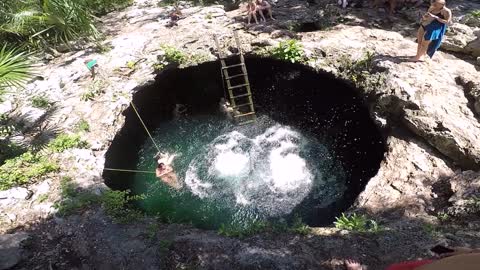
x=316, y=103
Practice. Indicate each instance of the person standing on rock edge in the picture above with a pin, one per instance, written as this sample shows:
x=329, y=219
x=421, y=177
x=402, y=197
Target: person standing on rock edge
x=432, y=29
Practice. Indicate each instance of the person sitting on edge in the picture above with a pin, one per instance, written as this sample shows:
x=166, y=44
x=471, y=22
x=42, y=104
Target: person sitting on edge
x=264, y=5
x=174, y=16
x=165, y=171
x=251, y=11
x=432, y=29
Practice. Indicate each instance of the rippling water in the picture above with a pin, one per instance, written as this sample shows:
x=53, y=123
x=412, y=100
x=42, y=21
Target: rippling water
x=238, y=174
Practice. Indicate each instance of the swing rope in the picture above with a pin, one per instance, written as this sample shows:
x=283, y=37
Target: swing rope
x=122, y=170
x=144, y=126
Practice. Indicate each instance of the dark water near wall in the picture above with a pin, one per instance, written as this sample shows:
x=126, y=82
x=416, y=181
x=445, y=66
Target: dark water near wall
x=319, y=123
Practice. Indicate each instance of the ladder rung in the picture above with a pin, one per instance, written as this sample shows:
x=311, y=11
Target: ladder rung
x=238, y=86
x=232, y=66
x=242, y=95
x=245, y=114
x=246, y=122
x=241, y=105
x=235, y=76
x=233, y=54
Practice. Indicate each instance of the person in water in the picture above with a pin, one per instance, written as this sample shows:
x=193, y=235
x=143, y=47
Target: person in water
x=432, y=29
x=165, y=171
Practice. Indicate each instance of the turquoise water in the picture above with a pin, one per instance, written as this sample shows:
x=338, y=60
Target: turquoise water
x=236, y=175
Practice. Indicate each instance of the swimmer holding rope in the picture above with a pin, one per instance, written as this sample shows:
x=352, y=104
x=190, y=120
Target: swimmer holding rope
x=165, y=171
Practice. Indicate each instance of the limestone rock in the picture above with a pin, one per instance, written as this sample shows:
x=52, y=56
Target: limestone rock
x=407, y=172
x=462, y=38
x=17, y=193
x=11, y=250
x=458, y=37
x=465, y=188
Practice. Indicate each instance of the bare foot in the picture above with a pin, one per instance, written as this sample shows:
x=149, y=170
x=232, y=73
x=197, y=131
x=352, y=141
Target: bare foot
x=415, y=59
x=353, y=265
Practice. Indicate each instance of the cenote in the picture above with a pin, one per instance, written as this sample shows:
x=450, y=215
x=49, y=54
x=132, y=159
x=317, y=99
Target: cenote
x=312, y=151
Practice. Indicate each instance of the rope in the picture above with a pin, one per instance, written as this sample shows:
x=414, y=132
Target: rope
x=122, y=170
x=144, y=126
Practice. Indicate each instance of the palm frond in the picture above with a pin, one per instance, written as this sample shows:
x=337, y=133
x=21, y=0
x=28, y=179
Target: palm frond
x=15, y=67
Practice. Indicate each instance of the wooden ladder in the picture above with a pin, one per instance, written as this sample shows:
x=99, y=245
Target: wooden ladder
x=236, y=77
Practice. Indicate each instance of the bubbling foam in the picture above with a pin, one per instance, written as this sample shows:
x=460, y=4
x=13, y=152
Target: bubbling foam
x=266, y=172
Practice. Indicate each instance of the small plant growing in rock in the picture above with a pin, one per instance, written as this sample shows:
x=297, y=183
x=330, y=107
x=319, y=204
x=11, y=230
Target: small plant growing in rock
x=83, y=125
x=24, y=168
x=173, y=55
x=475, y=13
x=66, y=141
x=356, y=223
x=131, y=65
x=242, y=231
x=40, y=102
x=96, y=88
x=165, y=245
x=289, y=50
x=300, y=227
x=72, y=200
x=208, y=16
x=116, y=205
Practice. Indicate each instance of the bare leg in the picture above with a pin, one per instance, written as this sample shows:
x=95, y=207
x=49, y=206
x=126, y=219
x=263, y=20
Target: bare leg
x=255, y=17
x=422, y=50
x=249, y=17
x=420, y=34
x=270, y=13
x=261, y=14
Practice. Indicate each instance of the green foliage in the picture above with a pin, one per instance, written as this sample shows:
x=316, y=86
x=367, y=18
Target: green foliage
x=117, y=206
x=95, y=88
x=289, y=50
x=22, y=169
x=43, y=197
x=356, y=223
x=66, y=141
x=131, y=64
x=300, y=227
x=83, y=125
x=48, y=22
x=443, y=217
x=165, y=245
x=15, y=67
x=242, y=231
x=475, y=13
x=40, y=102
x=173, y=55
x=9, y=150
x=73, y=201
x=101, y=7
x=361, y=71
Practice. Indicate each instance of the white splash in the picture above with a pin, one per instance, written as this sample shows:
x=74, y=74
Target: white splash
x=266, y=172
